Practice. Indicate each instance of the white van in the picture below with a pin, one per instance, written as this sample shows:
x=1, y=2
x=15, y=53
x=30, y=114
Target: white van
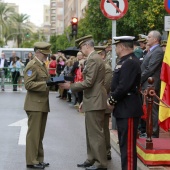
x=22, y=53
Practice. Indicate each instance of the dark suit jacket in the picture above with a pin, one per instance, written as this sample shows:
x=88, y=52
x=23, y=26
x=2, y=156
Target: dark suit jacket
x=5, y=65
x=151, y=67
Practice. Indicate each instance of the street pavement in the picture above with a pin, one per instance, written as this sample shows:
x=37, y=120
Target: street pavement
x=64, y=140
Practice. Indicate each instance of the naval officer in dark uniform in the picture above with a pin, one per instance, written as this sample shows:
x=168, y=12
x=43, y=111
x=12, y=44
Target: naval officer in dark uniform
x=36, y=105
x=125, y=100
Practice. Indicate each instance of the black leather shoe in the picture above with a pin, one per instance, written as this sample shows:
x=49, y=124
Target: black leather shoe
x=109, y=157
x=84, y=165
x=95, y=168
x=36, y=166
x=44, y=164
x=58, y=96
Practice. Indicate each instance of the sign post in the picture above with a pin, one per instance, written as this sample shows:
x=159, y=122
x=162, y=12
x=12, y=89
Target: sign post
x=114, y=10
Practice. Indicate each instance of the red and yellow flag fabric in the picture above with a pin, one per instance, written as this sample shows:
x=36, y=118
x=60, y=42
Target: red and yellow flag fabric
x=164, y=112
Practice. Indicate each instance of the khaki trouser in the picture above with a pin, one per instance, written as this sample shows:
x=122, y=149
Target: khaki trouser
x=96, y=147
x=34, y=138
x=107, y=133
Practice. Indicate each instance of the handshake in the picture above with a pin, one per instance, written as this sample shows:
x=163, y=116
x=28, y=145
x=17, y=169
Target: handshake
x=61, y=79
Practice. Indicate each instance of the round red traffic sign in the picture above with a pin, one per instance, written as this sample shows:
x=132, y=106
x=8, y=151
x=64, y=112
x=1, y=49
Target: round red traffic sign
x=167, y=5
x=114, y=9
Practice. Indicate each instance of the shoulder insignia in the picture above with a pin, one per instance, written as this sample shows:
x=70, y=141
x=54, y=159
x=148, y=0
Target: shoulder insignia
x=118, y=66
x=29, y=73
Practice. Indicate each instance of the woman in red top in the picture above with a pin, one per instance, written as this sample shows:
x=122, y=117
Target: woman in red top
x=52, y=66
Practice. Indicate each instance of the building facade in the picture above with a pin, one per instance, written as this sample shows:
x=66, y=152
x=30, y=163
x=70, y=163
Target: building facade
x=74, y=8
x=56, y=17
x=46, y=22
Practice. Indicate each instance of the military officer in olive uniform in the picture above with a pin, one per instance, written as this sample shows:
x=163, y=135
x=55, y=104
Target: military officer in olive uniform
x=125, y=98
x=107, y=83
x=109, y=52
x=94, y=105
x=163, y=44
x=36, y=105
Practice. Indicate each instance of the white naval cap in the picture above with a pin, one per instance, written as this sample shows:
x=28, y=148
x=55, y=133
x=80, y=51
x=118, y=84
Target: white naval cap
x=120, y=39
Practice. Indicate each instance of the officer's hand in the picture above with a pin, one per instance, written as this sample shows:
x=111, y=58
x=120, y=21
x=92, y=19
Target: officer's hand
x=111, y=107
x=50, y=82
x=65, y=85
x=80, y=107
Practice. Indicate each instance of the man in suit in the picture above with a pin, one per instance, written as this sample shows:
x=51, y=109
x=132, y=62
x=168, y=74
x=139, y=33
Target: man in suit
x=94, y=104
x=107, y=83
x=151, y=67
x=36, y=105
x=125, y=100
x=12, y=57
x=3, y=70
x=163, y=45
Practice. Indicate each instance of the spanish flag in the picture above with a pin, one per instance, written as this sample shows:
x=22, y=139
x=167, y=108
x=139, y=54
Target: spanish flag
x=164, y=111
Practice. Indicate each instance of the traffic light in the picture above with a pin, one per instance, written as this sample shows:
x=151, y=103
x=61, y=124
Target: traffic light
x=74, y=25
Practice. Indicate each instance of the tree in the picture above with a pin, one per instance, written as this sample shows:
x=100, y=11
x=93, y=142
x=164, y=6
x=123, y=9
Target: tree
x=20, y=27
x=5, y=12
x=95, y=22
x=142, y=16
x=53, y=39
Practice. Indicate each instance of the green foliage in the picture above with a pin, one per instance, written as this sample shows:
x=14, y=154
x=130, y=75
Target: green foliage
x=142, y=16
x=28, y=44
x=95, y=23
x=53, y=39
x=1, y=43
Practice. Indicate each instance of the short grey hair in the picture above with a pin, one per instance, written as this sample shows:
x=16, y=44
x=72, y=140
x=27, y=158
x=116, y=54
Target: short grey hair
x=156, y=34
x=90, y=42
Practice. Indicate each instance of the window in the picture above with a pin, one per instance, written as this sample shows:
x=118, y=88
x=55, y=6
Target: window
x=53, y=4
x=53, y=11
x=53, y=18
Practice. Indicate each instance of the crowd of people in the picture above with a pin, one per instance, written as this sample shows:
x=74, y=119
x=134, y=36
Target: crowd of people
x=13, y=69
x=96, y=90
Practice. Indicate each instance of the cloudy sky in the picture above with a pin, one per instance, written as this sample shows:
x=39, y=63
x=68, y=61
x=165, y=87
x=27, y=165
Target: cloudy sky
x=33, y=8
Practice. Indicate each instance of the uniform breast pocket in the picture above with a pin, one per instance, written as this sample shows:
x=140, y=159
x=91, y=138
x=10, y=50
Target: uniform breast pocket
x=44, y=77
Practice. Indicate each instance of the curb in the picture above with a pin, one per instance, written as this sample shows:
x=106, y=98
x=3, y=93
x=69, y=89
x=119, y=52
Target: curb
x=115, y=146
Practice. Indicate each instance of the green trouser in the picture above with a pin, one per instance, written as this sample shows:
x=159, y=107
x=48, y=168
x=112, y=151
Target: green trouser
x=34, y=138
x=96, y=147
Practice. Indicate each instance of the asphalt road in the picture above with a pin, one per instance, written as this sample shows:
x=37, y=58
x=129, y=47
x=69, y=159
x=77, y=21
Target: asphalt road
x=64, y=141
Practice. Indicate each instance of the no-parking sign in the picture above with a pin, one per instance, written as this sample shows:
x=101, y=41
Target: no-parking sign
x=114, y=9
x=167, y=5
